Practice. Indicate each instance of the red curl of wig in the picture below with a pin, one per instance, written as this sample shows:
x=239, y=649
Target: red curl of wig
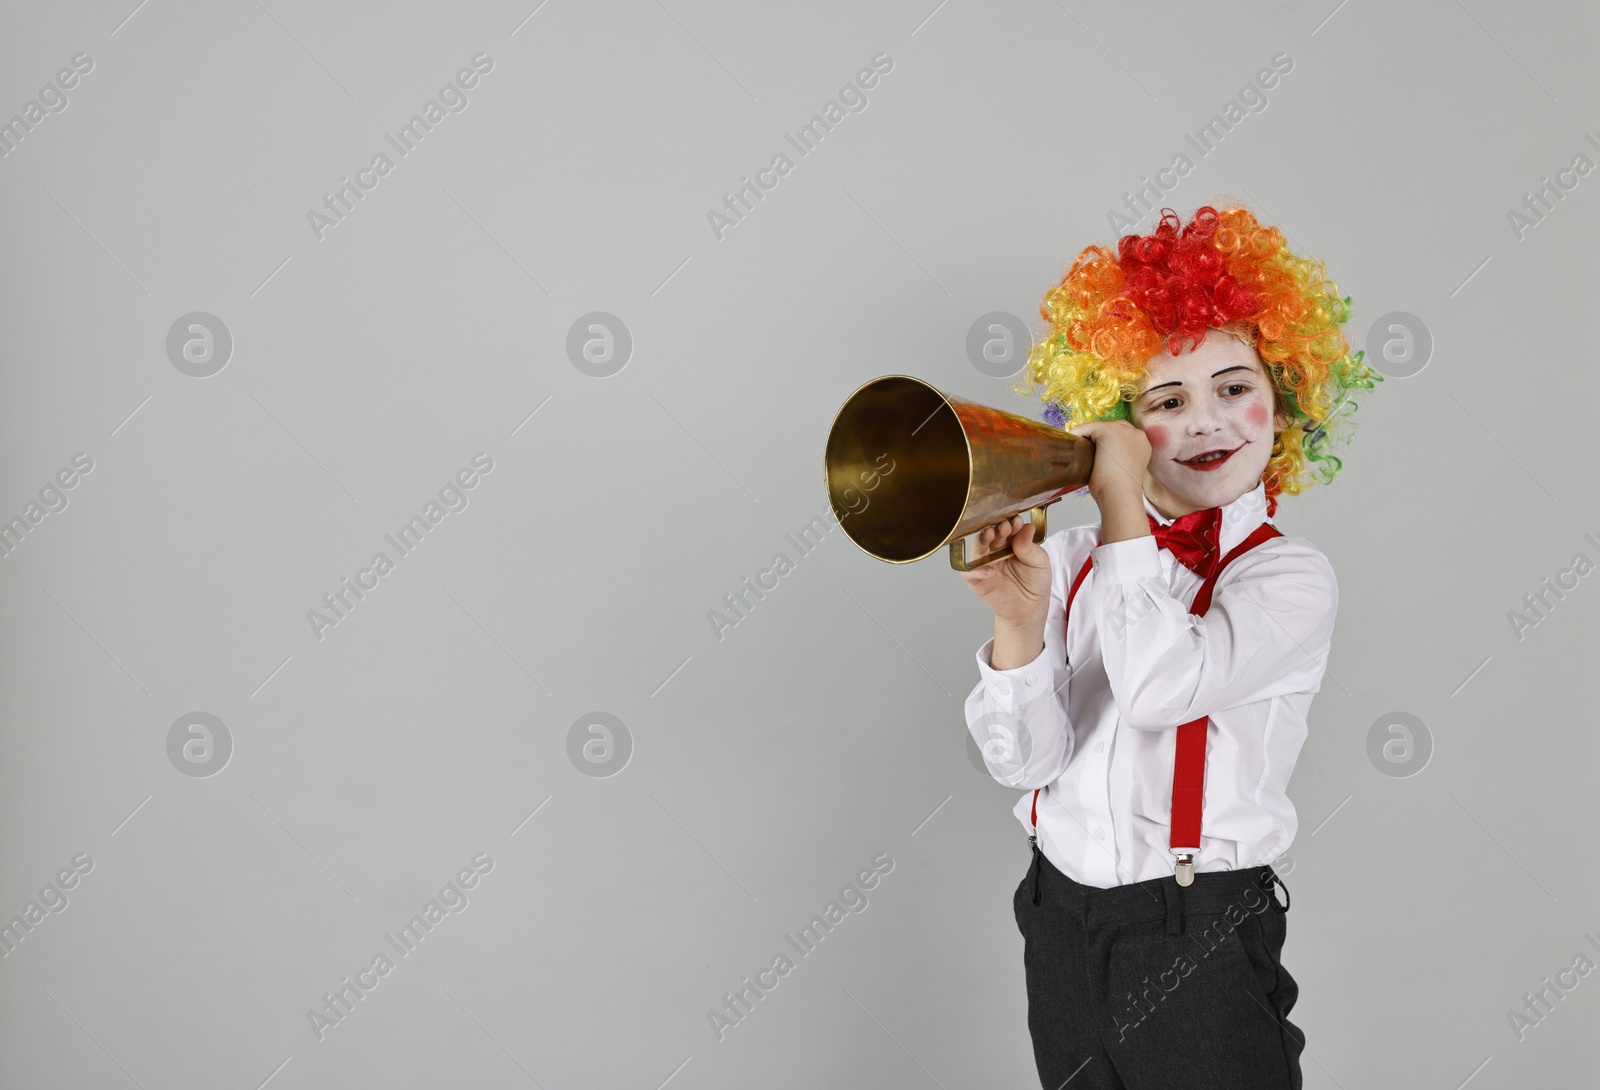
x=1179, y=278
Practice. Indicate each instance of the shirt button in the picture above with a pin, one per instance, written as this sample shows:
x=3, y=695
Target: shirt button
x=1099, y=747
x=1029, y=680
x=1003, y=687
x=1099, y=833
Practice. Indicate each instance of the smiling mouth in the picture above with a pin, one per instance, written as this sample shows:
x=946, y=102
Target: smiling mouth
x=1211, y=459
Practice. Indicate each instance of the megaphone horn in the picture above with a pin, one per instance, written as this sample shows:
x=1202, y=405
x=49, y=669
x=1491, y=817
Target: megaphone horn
x=955, y=467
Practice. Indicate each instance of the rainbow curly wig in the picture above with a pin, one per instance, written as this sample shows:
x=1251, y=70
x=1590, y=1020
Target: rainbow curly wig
x=1113, y=312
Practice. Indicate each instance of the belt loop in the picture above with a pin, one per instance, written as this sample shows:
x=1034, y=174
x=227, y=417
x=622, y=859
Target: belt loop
x=1034, y=872
x=1174, y=897
x=1274, y=896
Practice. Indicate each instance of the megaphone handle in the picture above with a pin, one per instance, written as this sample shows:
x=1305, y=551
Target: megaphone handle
x=958, y=547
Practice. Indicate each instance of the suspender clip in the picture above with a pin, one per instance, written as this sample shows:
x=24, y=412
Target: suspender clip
x=1184, y=868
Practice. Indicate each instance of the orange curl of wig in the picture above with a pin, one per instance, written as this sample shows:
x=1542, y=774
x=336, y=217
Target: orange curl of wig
x=1112, y=312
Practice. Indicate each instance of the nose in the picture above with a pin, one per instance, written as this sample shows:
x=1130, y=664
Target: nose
x=1204, y=419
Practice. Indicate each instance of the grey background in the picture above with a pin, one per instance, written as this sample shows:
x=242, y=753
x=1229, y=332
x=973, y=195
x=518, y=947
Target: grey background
x=770, y=766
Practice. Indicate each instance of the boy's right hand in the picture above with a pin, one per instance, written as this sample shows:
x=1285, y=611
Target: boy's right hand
x=1018, y=587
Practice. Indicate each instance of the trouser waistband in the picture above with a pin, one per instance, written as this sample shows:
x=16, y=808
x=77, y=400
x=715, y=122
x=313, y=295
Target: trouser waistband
x=1212, y=893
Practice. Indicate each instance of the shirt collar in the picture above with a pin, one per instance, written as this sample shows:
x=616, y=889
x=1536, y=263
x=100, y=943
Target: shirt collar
x=1239, y=518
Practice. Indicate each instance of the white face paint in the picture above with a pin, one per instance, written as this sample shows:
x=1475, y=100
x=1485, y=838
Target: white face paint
x=1217, y=397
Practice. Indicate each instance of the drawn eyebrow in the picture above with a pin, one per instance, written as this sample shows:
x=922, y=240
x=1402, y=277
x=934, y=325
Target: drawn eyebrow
x=1214, y=374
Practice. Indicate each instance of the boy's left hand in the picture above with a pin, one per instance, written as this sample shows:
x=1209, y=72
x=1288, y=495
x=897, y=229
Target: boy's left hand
x=1121, y=458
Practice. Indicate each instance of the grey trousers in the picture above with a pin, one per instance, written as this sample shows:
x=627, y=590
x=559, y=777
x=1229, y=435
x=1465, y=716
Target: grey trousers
x=1154, y=986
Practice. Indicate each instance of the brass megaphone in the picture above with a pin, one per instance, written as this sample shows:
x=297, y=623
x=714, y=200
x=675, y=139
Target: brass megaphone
x=955, y=467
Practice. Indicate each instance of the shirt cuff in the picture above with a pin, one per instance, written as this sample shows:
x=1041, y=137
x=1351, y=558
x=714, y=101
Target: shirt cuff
x=1127, y=561
x=1016, y=687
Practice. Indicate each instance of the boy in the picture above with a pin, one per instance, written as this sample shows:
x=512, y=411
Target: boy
x=1156, y=733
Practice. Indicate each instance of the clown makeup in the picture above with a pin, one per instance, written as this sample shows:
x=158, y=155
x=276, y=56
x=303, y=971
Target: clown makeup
x=1215, y=398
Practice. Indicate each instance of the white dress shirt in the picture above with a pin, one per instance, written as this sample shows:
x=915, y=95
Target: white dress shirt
x=1099, y=735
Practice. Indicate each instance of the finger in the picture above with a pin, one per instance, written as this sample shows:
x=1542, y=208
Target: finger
x=1000, y=544
x=983, y=545
x=996, y=544
x=1002, y=540
x=1023, y=546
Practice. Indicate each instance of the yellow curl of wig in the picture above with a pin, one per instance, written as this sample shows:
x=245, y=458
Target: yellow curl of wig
x=1114, y=310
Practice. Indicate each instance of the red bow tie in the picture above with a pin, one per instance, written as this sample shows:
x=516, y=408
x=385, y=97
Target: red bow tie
x=1192, y=539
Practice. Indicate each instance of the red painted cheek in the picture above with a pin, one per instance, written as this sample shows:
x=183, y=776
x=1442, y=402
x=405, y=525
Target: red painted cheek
x=1256, y=416
x=1157, y=436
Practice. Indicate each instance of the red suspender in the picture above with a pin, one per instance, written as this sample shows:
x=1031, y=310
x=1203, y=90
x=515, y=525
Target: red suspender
x=1189, y=762
x=1189, y=758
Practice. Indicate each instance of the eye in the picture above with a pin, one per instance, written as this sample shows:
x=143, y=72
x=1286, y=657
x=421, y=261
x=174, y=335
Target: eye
x=1242, y=387
x=1164, y=403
